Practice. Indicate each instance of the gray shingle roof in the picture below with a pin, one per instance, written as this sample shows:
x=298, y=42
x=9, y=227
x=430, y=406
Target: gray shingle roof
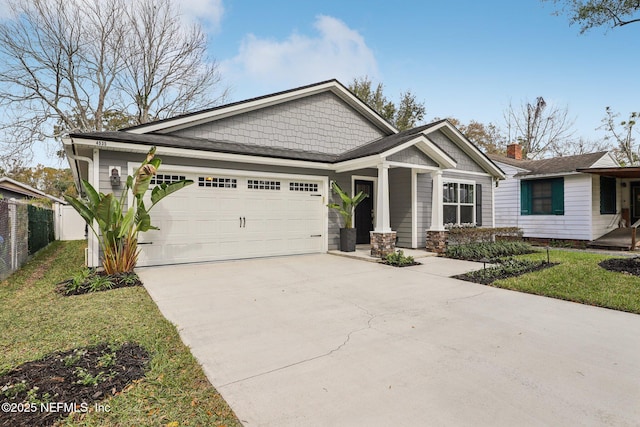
x=551, y=166
x=161, y=140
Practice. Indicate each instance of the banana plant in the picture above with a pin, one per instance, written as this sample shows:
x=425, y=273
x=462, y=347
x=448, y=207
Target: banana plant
x=117, y=225
x=348, y=204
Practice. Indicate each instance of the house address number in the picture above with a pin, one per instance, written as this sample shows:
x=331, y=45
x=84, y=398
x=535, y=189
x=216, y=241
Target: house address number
x=101, y=143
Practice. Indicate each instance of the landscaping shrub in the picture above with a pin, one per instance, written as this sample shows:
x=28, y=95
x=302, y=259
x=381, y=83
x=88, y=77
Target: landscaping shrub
x=509, y=267
x=399, y=259
x=465, y=235
x=90, y=280
x=488, y=250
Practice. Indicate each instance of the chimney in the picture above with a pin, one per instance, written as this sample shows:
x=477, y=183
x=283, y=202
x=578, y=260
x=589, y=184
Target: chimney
x=514, y=151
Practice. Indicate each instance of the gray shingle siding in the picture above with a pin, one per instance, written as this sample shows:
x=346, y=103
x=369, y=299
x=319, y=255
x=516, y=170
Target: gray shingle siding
x=464, y=162
x=320, y=123
x=412, y=155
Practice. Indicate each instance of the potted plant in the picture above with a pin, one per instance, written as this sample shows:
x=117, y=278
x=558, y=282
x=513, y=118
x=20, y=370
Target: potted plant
x=348, y=233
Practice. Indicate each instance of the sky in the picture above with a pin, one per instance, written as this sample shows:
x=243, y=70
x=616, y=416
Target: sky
x=467, y=59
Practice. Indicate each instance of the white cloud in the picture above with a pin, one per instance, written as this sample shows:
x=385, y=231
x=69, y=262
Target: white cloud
x=207, y=13
x=336, y=52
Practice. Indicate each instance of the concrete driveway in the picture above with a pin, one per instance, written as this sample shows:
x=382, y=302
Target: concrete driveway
x=321, y=340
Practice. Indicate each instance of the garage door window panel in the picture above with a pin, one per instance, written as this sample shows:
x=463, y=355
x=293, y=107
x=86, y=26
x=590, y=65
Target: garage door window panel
x=259, y=184
x=217, y=182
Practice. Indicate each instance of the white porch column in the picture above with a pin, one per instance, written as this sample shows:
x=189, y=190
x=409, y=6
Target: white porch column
x=436, y=202
x=383, y=224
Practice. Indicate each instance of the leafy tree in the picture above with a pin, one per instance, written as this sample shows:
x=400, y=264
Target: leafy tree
x=539, y=128
x=88, y=65
x=488, y=137
x=404, y=115
x=117, y=230
x=623, y=134
x=596, y=13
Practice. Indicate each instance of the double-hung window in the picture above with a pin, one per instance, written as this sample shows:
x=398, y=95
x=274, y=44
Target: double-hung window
x=459, y=202
x=542, y=196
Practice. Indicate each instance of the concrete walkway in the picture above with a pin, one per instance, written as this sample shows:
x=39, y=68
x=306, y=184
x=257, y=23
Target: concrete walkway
x=321, y=340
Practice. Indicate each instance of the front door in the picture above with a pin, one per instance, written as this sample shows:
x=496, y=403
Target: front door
x=635, y=202
x=364, y=211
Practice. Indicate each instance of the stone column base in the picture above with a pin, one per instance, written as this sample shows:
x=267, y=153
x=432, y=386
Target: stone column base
x=382, y=243
x=437, y=241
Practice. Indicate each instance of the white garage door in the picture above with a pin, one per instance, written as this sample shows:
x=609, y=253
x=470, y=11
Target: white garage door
x=224, y=216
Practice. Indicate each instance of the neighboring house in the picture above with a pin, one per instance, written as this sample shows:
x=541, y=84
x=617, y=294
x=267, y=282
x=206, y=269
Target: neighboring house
x=12, y=189
x=68, y=224
x=561, y=197
x=262, y=170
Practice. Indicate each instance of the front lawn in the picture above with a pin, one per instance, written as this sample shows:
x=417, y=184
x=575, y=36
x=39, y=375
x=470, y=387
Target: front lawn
x=35, y=321
x=578, y=278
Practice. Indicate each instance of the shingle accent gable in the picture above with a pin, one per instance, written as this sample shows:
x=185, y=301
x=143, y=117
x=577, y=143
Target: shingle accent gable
x=412, y=155
x=320, y=123
x=464, y=162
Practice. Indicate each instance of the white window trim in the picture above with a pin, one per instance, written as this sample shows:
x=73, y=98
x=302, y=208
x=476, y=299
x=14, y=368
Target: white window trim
x=458, y=203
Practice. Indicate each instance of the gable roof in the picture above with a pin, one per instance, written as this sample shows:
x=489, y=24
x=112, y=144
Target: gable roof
x=26, y=190
x=417, y=136
x=162, y=133
x=191, y=119
x=552, y=166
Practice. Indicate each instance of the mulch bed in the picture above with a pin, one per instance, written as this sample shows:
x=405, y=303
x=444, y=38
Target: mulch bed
x=41, y=392
x=120, y=280
x=622, y=265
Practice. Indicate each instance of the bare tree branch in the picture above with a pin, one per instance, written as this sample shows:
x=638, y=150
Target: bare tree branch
x=538, y=127
x=87, y=65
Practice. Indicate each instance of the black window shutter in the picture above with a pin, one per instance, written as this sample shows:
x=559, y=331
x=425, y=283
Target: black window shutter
x=478, y=205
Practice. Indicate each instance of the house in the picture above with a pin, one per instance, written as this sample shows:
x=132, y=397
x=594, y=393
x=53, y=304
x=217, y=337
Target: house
x=262, y=170
x=561, y=198
x=12, y=189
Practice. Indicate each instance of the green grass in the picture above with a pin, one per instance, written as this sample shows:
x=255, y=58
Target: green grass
x=578, y=278
x=35, y=321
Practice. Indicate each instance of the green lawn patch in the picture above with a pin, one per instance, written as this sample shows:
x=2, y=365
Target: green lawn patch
x=37, y=321
x=578, y=278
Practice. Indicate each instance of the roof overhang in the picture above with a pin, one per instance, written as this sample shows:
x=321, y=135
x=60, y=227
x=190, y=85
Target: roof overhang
x=79, y=141
x=27, y=190
x=620, y=172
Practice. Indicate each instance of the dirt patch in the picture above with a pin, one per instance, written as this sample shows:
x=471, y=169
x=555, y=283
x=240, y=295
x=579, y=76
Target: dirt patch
x=622, y=265
x=39, y=272
x=41, y=392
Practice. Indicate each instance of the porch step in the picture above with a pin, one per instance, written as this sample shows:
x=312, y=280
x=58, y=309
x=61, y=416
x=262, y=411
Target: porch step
x=620, y=239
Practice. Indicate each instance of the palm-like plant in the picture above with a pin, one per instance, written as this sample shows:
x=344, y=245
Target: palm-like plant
x=348, y=204
x=117, y=230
